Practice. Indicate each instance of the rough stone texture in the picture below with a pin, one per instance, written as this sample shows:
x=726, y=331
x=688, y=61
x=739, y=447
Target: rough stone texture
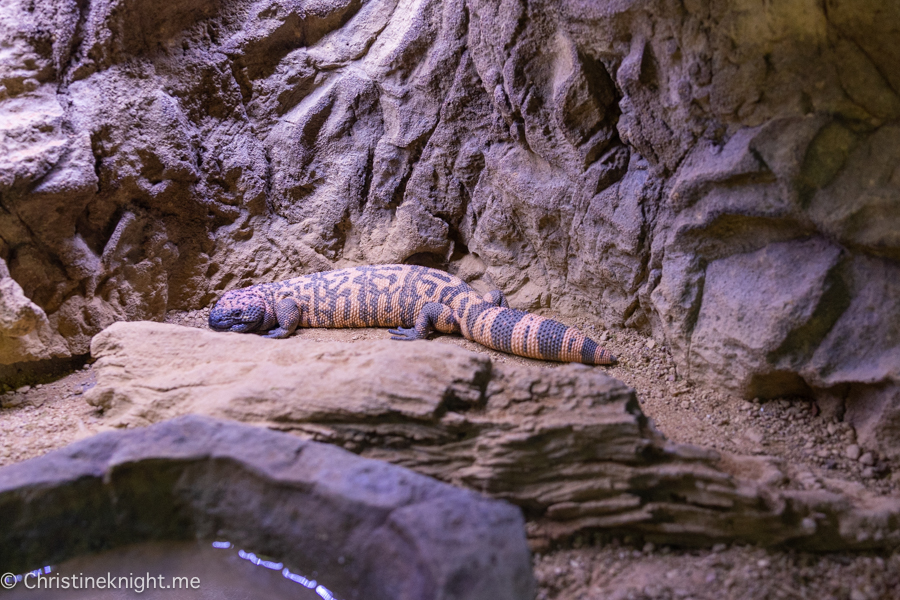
x=723, y=175
x=569, y=444
x=25, y=332
x=370, y=529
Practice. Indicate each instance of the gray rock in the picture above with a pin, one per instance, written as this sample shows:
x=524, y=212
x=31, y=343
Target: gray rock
x=371, y=529
x=852, y=452
x=13, y=400
x=867, y=459
x=753, y=304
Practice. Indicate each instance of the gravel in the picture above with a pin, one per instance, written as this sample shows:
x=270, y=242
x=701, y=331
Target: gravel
x=616, y=571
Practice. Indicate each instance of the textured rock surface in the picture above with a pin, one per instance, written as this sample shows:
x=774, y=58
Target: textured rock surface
x=569, y=444
x=25, y=332
x=370, y=529
x=722, y=175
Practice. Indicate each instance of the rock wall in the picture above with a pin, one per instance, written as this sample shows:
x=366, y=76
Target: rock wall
x=720, y=174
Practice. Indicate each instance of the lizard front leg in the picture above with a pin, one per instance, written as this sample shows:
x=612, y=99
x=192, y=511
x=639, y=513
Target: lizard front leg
x=288, y=314
x=433, y=316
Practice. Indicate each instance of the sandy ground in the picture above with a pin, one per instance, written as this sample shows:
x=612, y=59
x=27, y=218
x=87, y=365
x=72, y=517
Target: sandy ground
x=798, y=447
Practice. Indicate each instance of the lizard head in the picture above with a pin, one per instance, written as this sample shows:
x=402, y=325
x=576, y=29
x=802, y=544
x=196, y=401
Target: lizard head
x=241, y=311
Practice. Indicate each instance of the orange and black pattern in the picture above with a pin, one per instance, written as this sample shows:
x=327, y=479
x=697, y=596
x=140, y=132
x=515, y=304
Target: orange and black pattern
x=413, y=300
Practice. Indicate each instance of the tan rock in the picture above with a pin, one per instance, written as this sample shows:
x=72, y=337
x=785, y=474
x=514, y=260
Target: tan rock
x=567, y=443
x=18, y=315
x=25, y=332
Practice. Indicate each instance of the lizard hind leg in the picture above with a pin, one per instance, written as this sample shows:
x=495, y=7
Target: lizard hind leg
x=433, y=316
x=497, y=298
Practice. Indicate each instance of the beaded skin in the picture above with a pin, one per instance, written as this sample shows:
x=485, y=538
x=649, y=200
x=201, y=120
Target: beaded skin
x=413, y=300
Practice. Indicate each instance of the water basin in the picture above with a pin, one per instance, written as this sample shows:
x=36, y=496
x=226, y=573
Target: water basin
x=173, y=571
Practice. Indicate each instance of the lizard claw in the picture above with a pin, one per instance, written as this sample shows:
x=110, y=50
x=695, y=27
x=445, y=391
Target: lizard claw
x=403, y=334
x=277, y=334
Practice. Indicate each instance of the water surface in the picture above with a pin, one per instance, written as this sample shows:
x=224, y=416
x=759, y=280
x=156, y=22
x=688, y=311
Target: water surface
x=169, y=571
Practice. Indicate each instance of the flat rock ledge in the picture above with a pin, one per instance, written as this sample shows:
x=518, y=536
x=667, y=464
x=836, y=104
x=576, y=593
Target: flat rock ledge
x=569, y=445
x=370, y=529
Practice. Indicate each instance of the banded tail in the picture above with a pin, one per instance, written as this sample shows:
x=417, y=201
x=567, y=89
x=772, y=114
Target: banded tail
x=534, y=336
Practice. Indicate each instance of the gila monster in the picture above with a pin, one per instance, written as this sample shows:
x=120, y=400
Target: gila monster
x=413, y=300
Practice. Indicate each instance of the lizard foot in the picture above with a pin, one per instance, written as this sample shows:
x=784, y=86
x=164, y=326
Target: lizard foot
x=405, y=334
x=278, y=333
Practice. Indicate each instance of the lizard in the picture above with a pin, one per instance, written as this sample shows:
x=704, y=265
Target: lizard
x=413, y=301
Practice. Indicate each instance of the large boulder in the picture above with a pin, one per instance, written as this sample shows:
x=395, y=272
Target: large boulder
x=568, y=444
x=642, y=163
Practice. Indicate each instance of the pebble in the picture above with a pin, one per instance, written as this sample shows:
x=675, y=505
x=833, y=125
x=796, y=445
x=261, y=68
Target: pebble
x=823, y=453
x=651, y=343
x=867, y=459
x=807, y=479
x=852, y=452
x=14, y=401
x=753, y=435
x=24, y=389
x=763, y=563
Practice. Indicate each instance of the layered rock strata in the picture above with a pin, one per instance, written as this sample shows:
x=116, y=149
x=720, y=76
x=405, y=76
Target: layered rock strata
x=569, y=444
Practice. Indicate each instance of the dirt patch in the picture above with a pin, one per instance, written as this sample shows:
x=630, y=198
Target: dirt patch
x=613, y=571
x=788, y=443
x=37, y=419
